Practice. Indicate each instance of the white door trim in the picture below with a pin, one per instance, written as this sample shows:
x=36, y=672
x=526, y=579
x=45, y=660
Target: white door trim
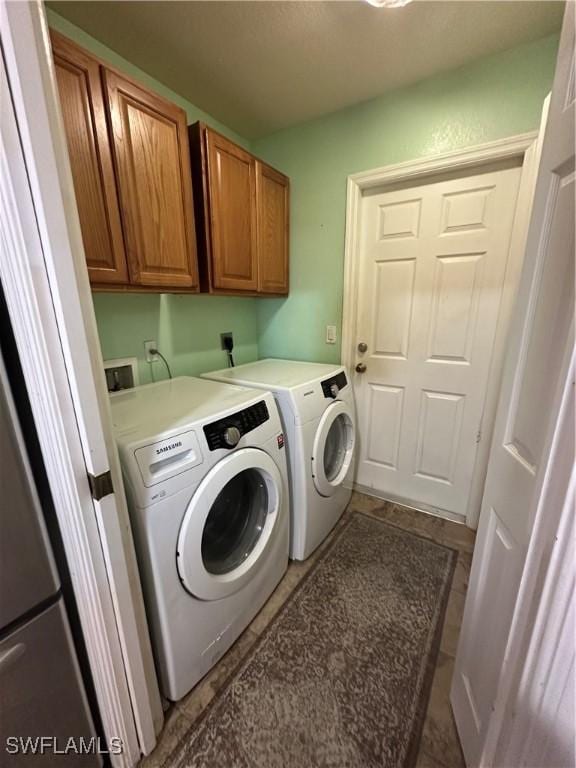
x=48, y=295
x=524, y=147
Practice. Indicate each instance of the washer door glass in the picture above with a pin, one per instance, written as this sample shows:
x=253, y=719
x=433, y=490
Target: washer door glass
x=230, y=524
x=235, y=522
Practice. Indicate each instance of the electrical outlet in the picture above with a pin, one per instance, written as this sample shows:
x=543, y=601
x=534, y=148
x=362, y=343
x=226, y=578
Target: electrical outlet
x=330, y=334
x=224, y=337
x=148, y=345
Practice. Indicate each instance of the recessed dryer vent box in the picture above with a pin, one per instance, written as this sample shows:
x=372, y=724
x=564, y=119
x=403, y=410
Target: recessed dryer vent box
x=121, y=373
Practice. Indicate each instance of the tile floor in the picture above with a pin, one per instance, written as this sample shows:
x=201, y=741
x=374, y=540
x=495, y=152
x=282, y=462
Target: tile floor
x=439, y=747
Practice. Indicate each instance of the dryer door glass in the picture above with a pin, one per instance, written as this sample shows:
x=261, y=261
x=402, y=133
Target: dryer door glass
x=336, y=447
x=235, y=522
x=333, y=448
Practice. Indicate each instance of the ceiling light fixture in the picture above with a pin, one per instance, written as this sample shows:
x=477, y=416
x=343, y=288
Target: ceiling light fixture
x=388, y=3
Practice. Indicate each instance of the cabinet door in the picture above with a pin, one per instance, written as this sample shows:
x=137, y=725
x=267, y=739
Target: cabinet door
x=232, y=189
x=273, y=194
x=150, y=143
x=82, y=103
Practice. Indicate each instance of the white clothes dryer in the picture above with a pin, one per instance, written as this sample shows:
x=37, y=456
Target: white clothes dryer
x=317, y=408
x=207, y=487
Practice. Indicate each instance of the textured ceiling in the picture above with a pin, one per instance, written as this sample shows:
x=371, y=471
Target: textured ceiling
x=261, y=66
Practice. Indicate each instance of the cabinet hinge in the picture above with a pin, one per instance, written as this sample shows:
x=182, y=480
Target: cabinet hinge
x=101, y=485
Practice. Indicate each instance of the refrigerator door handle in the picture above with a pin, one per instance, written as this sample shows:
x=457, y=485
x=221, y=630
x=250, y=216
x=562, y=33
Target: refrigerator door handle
x=10, y=655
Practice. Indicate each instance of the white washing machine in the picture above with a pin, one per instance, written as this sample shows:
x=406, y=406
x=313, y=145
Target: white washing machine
x=317, y=409
x=207, y=486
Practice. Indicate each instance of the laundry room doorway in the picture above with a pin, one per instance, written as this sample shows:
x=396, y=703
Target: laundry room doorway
x=433, y=254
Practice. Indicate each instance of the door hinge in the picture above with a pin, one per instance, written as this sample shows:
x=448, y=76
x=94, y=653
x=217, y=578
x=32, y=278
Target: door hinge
x=101, y=485
x=478, y=436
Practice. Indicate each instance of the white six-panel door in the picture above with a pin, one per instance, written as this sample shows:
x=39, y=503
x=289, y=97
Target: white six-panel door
x=540, y=345
x=433, y=262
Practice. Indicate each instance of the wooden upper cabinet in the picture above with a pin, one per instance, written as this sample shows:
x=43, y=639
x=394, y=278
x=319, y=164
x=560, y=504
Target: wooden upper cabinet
x=150, y=143
x=242, y=211
x=273, y=196
x=232, y=189
x=82, y=102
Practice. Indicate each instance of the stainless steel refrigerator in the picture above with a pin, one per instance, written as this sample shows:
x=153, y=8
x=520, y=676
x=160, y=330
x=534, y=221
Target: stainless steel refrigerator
x=42, y=693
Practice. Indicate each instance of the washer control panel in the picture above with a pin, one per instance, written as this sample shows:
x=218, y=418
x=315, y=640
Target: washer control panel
x=332, y=386
x=227, y=432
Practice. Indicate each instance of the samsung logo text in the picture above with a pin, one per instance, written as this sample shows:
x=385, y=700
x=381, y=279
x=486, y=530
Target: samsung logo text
x=166, y=448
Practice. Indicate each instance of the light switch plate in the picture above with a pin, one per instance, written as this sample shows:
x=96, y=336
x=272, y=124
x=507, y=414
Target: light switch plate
x=330, y=334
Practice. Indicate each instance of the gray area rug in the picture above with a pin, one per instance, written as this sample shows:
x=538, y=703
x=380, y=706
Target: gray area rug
x=341, y=677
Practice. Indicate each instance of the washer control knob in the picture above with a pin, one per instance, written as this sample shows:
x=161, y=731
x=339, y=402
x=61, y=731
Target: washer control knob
x=334, y=389
x=232, y=436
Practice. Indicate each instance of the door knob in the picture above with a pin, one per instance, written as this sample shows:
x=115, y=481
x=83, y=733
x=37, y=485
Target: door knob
x=360, y=368
x=362, y=347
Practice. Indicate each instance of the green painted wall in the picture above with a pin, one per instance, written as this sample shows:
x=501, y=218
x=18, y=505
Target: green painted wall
x=186, y=327
x=497, y=96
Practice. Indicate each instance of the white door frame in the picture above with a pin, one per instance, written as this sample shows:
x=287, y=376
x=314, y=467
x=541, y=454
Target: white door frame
x=44, y=276
x=524, y=147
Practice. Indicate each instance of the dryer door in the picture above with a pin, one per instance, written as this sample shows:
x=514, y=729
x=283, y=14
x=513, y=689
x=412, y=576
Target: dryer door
x=229, y=524
x=333, y=448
